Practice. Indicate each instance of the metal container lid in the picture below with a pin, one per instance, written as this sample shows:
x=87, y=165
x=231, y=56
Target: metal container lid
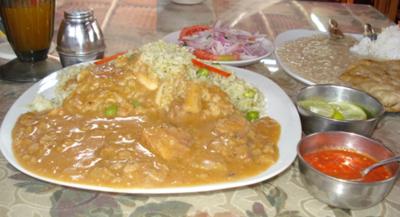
x=79, y=15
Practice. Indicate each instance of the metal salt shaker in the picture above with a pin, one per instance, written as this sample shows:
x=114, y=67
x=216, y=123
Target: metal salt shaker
x=370, y=32
x=334, y=31
x=79, y=38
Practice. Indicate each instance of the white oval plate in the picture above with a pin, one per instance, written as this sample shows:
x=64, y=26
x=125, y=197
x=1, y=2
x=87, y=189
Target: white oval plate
x=278, y=106
x=174, y=36
x=292, y=35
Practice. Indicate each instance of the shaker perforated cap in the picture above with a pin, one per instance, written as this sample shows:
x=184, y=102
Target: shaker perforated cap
x=78, y=14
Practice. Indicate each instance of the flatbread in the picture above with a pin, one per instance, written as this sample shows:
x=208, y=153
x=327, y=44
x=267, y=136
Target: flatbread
x=381, y=79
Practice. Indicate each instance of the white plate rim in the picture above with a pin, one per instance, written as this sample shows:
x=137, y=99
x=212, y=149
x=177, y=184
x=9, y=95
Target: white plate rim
x=279, y=106
x=173, y=38
x=292, y=35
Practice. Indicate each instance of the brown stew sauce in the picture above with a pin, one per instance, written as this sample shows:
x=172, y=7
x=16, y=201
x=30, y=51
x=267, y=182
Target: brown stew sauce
x=143, y=145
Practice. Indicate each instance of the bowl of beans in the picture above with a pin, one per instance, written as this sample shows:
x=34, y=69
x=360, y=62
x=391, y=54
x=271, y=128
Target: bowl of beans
x=330, y=165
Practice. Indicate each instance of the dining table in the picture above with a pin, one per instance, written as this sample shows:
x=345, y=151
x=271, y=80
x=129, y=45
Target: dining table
x=128, y=24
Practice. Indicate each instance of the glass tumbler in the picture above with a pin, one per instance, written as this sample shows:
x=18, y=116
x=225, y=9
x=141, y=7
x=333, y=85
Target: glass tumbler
x=29, y=26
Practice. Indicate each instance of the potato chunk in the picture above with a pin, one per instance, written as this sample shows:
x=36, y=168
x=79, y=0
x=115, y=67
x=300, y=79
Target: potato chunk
x=167, y=141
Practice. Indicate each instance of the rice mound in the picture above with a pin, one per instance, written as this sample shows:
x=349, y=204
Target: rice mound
x=385, y=47
x=167, y=61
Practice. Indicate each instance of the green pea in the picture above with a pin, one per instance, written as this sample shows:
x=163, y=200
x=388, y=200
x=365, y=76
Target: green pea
x=249, y=93
x=202, y=72
x=111, y=110
x=135, y=103
x=252, y=115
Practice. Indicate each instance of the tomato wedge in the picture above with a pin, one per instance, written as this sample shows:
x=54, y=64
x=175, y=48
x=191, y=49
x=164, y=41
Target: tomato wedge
x=109, y=58
x=205, y=55
x=211, y=68
x=190, y=30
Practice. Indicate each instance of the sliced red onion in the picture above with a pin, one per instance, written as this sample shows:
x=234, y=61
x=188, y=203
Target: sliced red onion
x=221, y=40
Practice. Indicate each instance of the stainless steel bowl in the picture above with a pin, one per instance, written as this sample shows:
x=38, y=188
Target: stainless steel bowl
x=312, y=122
x=338, y=192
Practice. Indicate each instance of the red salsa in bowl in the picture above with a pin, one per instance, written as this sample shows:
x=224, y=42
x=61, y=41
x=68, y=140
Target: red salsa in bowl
x=330, y=163
x=346, y=164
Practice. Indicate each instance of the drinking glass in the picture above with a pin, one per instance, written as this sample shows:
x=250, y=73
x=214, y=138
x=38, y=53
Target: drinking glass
x=29, y=28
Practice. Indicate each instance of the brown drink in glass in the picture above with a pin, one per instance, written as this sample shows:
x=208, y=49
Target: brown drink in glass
x=29, y=29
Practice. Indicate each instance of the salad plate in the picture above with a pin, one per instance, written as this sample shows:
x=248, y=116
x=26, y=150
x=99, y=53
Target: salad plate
x=277, y=105
x=174, y=38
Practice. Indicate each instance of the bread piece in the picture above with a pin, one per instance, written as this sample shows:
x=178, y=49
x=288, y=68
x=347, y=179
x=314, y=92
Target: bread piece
x=381, y=79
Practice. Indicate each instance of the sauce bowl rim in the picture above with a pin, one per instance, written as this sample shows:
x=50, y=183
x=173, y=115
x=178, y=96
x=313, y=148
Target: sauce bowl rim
x=376, y=116
x=308, y=165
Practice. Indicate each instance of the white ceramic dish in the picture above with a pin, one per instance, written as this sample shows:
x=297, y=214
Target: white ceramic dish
x=278, y=105
x=292, y=35
x=6, y=52
x=174, y=36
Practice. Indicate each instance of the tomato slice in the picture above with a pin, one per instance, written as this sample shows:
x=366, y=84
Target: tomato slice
x=187, y=31
x=109, y=58
x=205, y=55
x=219, y=71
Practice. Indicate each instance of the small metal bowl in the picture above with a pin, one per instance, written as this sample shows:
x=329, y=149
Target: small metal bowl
x=312, y=122
x=339, y=192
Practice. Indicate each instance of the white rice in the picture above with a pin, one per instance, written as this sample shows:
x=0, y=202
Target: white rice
x=41, y=103
x=385, y=47
x=166, y=59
